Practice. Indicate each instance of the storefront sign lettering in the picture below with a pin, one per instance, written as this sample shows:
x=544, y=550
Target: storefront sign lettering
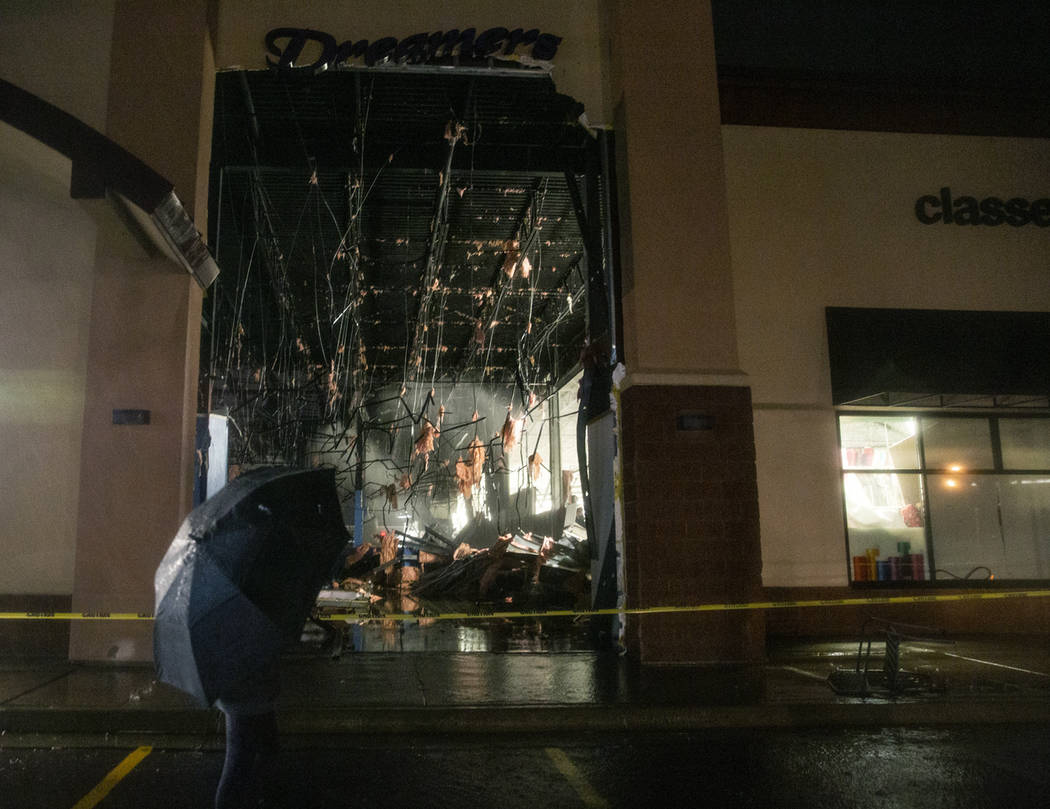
x=991, y=211
x=466, y=46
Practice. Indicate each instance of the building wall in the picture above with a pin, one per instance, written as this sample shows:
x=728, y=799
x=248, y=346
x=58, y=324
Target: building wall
x=677, y=288
x=47, y=247
x=143, y=352
x=823, y=218
x=89, y=322
x=58, y=50
x=736, y=238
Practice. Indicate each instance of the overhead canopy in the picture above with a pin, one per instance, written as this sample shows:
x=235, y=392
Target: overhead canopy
x=924, y=357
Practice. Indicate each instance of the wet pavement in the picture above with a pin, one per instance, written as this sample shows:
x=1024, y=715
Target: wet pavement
x=527, y=675
x=755, y=768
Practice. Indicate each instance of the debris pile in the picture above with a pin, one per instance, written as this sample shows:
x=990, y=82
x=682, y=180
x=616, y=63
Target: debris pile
x=516, y=567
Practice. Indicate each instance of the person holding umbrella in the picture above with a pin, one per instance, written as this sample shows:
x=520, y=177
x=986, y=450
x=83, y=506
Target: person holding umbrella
x=234, y=588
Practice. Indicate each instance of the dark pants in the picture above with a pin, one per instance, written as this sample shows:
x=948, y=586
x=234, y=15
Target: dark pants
x=251, y=744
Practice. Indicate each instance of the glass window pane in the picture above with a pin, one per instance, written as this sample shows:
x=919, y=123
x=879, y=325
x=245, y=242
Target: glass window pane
x=964, y=517
x=1025, y=443
x=1026, y=527
x=879, y=442
x=957, y=445
x=990, y=525
x=884, y=524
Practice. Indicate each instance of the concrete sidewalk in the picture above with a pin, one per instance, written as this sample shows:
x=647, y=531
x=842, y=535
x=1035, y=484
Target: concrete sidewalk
x=433, y=686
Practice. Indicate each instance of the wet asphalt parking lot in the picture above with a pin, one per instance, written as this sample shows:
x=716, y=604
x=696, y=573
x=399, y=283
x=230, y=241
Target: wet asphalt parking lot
x=958, y=767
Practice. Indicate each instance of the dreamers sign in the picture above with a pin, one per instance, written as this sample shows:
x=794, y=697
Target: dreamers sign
x=441, y=47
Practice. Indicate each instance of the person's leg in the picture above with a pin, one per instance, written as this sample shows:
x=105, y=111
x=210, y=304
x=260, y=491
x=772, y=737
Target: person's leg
x=251, y=741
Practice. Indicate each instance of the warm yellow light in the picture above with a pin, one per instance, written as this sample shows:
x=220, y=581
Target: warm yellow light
x=951, y=483
x=955, y=468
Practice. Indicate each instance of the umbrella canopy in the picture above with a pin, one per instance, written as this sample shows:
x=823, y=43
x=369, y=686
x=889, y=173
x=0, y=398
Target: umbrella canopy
x=241, y=577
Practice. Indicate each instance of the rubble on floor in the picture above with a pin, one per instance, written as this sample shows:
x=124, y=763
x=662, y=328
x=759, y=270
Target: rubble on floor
x=479, y=565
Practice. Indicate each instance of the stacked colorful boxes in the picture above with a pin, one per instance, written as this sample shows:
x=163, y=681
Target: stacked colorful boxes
x=905, y=566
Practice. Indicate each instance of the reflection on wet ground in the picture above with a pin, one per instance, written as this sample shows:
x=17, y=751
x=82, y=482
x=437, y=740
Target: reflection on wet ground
x=801, y=670
x=552, y=663
x=961, y=668
x=541, y=635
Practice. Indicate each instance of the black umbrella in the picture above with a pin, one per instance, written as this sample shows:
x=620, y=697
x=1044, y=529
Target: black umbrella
x=242, y=575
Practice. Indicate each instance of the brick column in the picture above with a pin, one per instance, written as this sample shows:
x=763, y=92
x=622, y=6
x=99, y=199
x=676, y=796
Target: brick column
x=690, y=505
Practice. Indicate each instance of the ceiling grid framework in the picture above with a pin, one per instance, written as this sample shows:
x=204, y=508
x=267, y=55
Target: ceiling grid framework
x=382, y=228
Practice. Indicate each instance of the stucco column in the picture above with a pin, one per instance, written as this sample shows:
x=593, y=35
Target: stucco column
x=136, y=480
x=690, y=497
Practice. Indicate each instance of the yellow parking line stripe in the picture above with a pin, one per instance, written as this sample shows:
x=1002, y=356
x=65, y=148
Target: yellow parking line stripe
x=113, y=778
x=586, y=792
x=997, y=665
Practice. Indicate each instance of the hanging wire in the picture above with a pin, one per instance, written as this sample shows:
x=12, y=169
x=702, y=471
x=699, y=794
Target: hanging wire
x=307, y=396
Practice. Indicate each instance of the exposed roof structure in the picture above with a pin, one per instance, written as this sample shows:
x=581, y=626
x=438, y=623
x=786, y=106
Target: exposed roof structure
x=431, y=212
x=386, y=227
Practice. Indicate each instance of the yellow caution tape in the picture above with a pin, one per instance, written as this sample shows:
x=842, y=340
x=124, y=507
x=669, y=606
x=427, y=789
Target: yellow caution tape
x=751, y=605
x=370, y=614
x=76, y=616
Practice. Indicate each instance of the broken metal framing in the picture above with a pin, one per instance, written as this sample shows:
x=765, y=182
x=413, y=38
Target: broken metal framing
x=596, y=387
x=321, y=393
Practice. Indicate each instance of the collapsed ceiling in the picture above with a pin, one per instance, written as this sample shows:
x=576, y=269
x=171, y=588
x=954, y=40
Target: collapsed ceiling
x=386, y=229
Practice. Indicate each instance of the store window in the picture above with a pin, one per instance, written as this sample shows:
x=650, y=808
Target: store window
x=945, y=497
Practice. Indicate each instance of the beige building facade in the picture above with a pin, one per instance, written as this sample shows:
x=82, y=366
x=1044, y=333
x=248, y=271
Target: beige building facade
x=734, y=240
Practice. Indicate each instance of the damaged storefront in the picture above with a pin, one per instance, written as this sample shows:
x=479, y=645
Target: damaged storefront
x=440, y=231
x=418, y=292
